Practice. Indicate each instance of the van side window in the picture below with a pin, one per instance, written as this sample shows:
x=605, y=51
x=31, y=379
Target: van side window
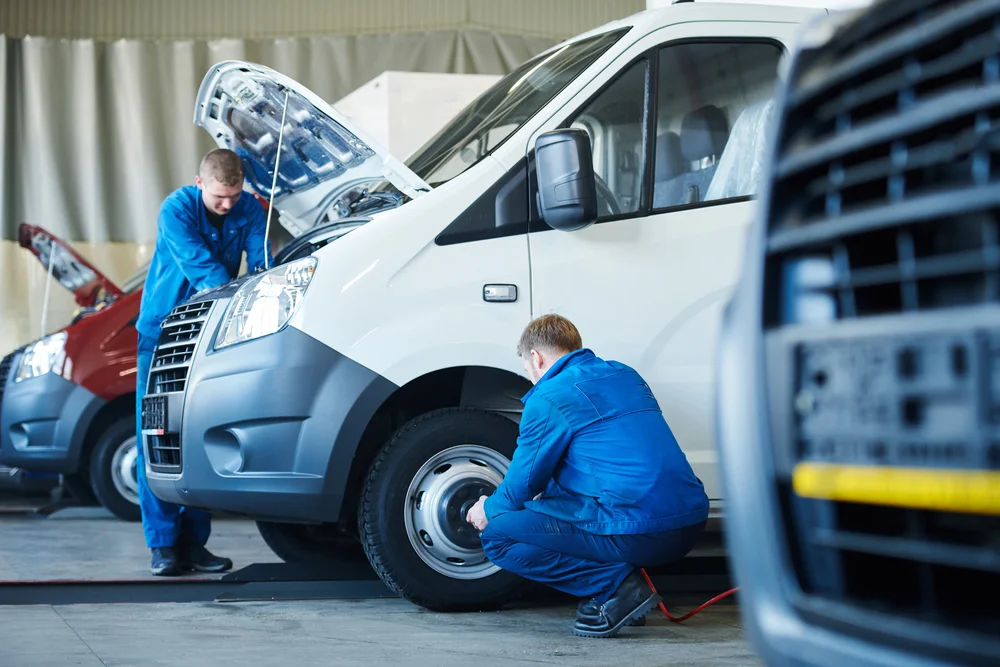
x=615, y=122
x=714, y=103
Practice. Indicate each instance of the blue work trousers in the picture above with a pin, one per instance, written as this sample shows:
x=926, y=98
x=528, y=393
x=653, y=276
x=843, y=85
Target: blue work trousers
x=557, y=553
x=163, y=523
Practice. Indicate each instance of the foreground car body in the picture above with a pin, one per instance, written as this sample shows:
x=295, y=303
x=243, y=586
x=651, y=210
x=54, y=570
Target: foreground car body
x=855, y=365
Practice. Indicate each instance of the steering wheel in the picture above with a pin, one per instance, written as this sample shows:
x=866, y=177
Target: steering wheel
x=607, y=203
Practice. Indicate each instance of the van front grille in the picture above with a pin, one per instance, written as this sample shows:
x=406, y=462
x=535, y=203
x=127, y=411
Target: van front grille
x=882, y=249
x=165, y=453
x=6, y=368
x=886, y=191
x=179, y=337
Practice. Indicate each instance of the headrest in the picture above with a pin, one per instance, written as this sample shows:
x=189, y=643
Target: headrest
x=669, y=161
x=703, y=133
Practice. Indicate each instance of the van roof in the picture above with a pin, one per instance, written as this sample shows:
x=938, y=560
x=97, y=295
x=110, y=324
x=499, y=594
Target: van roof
x=685, y=12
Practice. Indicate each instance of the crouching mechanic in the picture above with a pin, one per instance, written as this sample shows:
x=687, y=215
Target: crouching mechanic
x=597, y=488
x=201, y=235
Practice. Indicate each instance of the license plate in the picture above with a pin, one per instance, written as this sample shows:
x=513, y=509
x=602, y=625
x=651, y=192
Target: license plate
x=897, y=421
x=154, y=415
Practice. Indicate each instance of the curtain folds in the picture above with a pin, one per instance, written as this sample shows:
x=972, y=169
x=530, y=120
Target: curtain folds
x=96, y=134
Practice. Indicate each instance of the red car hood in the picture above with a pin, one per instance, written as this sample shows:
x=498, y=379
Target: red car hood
x=71, y=270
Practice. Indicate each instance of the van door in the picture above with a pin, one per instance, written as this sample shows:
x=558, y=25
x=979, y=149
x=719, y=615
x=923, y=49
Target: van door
x=677, y=136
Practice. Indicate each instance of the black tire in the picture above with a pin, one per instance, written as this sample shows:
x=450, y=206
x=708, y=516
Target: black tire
x=310, y=544
x=115, y=436
x=78, y=485
x=385, y=504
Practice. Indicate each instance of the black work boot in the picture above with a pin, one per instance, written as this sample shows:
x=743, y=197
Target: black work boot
x=590, y=610
x=164, y=563
x=634, y=598
x=200, y=559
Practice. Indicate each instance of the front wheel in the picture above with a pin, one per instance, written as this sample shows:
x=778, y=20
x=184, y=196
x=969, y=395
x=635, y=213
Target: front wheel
x=113, y=470
x=412, y=512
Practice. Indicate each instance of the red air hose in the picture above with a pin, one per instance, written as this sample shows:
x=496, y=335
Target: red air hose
x=693, y=612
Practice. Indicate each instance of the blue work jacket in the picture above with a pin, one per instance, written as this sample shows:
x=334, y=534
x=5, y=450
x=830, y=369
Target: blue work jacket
x=191, y=255
x=595, y=444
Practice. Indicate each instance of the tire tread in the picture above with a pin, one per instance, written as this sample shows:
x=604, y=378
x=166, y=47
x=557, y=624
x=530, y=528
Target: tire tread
x=368, y=532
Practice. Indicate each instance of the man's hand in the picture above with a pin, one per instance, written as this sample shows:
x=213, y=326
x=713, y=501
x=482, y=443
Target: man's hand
x=477, y=514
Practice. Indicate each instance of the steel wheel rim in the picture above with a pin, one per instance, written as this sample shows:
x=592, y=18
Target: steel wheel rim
x=123, y=470
x=434, y=525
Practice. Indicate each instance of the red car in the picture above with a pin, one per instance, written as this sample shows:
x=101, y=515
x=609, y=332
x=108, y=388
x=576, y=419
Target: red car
x=67, y=401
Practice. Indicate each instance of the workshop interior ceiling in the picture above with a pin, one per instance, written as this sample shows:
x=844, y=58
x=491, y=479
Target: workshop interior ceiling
x=109, y=20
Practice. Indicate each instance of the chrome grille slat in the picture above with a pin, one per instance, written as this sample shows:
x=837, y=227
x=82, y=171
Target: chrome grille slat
x=930, y=207
x=6, y=366
x=975, y=51
x=903, y=45
x=887, y=130
x=179, y=337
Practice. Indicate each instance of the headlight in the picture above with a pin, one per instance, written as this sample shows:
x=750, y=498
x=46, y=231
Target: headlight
x=265, y=304
x=44, y=356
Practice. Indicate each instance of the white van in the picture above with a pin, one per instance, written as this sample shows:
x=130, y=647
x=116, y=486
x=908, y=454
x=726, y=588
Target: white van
x=370, y=391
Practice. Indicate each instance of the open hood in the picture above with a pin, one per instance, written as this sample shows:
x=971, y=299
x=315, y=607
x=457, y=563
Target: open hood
x=324, y=157
x=69, y=268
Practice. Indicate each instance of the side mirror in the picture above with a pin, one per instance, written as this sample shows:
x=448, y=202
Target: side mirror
x=567, y=190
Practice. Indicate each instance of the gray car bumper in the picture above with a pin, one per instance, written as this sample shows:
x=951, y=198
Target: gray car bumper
x=43, y=423
x=268, y=428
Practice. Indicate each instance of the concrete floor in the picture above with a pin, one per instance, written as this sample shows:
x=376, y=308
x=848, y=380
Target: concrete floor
x=90, y=543
x=85, y=543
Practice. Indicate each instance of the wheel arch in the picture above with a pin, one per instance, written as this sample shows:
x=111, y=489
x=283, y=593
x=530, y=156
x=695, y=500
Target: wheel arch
x=118, y=407
x=484, y=387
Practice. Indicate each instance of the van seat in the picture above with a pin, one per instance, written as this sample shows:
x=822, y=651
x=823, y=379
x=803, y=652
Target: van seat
x=704, y=133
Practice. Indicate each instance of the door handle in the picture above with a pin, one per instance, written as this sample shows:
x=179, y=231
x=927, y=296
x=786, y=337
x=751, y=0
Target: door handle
x=500, y=293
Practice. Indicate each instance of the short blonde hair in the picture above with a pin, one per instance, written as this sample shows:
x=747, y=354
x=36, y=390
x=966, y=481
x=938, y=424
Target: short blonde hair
x=552, y=332
x=223, y=165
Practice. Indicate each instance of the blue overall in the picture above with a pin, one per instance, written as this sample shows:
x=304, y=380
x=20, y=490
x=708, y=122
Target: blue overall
x=191, y=255
x=598, y=485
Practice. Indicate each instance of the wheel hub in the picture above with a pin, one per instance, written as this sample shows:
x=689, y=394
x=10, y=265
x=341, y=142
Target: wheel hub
x=456, y=503
x=438, y=500
x=124, y=473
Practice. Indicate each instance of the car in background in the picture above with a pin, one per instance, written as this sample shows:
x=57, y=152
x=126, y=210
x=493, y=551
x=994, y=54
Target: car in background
x=67, y=400
x=858, y=401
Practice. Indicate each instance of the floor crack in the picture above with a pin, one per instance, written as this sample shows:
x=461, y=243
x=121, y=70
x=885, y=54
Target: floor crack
x=63, y=619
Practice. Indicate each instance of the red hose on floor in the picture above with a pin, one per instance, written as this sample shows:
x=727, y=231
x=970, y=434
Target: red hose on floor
x=693, y=612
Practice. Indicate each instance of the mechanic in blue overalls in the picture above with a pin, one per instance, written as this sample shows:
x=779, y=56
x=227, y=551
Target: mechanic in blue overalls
x=598, y=486
x=201, y=235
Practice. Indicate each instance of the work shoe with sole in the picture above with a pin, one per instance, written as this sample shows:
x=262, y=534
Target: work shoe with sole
x=200, y=559
x=591, y=610
x=633, y=599
x=164, y=563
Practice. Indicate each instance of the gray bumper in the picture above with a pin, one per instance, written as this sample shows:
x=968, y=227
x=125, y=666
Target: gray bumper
x=268, y=428
x=43, y=423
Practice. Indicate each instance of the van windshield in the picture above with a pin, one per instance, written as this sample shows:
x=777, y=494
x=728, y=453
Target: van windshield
x=496, y=114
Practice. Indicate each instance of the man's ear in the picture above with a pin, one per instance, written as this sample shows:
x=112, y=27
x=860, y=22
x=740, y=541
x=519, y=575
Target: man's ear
x=200, y=183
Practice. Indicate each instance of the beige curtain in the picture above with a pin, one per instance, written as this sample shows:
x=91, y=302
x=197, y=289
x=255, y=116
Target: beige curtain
x=96, y=134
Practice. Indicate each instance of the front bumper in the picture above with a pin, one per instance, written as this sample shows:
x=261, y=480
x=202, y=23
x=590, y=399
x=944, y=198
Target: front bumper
x=267, y=428
x=787, y=625
x=43, y=423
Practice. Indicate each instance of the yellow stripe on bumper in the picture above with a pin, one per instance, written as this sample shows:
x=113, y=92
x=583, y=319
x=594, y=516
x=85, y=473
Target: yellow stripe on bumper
x=967, y=491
